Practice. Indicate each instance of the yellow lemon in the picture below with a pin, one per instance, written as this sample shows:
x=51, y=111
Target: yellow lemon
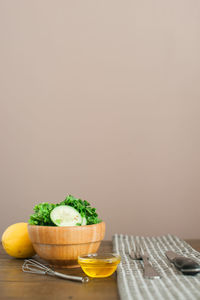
x=16, y=241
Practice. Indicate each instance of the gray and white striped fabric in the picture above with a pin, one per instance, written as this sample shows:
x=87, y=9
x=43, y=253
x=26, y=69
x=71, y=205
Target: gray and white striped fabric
x=172, y=284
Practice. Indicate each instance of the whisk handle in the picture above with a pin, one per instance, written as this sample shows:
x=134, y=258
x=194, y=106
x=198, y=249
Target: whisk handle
x=71, y=277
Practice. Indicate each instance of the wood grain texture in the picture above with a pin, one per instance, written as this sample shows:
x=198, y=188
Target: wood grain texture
x=61, y=246
x=16, y=285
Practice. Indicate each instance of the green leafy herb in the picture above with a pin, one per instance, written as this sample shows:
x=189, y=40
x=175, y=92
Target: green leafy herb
x=42, y=215
x=42, y=212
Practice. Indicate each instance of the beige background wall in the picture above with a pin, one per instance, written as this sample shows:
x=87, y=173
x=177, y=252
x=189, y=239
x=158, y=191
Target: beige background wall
x=101, y=99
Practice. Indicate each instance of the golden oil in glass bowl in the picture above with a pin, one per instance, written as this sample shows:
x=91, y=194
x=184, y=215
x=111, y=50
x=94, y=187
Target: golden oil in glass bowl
x=99, y=265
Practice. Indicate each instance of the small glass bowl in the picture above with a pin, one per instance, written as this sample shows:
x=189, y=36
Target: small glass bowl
x=99, y=265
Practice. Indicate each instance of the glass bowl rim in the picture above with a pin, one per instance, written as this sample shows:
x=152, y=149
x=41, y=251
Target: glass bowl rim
x=110, y=255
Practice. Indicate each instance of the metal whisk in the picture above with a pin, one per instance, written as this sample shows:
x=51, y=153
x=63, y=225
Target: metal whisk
x=33, y=266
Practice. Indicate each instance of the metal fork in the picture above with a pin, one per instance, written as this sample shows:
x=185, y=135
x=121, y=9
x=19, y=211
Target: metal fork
x=140, y=253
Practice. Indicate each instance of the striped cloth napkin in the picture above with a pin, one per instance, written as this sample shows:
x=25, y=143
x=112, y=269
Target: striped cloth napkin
x=172, y=284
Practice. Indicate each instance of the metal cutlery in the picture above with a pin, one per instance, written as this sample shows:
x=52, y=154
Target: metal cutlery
x=140, y=253
x=184, y=264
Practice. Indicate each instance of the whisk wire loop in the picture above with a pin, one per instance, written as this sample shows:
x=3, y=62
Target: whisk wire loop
x=33, y=266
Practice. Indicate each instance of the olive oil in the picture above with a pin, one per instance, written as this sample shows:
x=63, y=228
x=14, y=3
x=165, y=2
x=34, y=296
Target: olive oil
x=99, y=265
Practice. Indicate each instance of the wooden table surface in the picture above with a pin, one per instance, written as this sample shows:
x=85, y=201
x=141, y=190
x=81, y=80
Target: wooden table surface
x=15, y=284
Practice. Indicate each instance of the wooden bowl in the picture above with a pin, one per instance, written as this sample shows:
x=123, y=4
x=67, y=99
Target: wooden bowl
x=61, y=246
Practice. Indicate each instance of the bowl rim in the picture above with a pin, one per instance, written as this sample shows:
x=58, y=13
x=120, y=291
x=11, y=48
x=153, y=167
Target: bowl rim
x=81, y=258
x=81, y=226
